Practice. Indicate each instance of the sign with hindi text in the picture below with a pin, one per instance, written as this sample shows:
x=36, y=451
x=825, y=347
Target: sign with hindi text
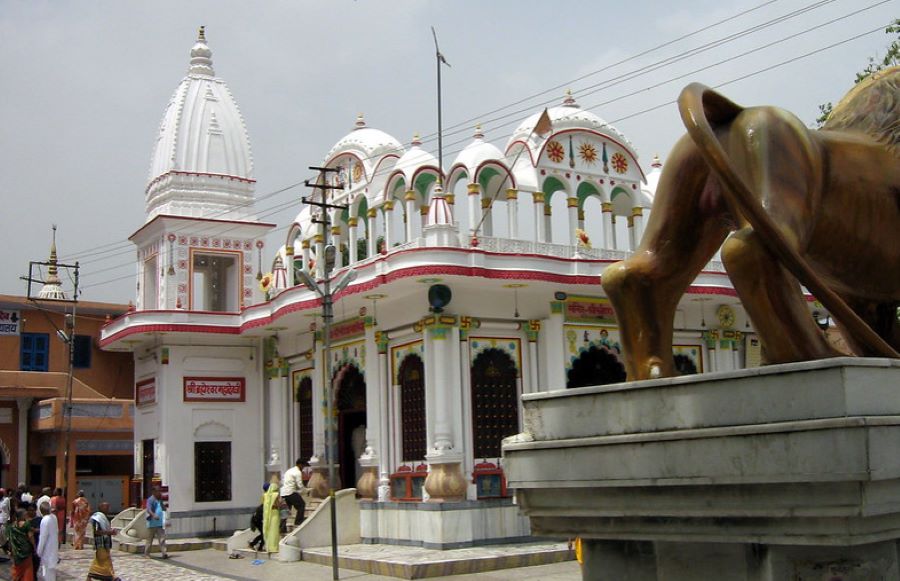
x=218, y=389
x=9, y=322
x=594, y=310
x=145, y=392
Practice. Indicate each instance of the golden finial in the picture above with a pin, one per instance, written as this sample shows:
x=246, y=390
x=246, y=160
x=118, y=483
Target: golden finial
x=201, y=36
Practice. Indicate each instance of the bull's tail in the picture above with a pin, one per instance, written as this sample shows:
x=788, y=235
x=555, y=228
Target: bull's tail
x=700, y=108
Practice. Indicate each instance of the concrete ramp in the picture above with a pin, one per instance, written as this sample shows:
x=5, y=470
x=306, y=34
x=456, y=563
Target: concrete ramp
x=315, y=531
x=132, y=525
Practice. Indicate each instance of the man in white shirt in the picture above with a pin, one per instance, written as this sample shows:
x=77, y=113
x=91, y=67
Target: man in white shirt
x=45, y=497
x=291, y=487
x=48, y=543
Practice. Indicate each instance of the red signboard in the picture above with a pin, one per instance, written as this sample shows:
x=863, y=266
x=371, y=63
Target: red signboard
x=222, y=389
x=145, y=392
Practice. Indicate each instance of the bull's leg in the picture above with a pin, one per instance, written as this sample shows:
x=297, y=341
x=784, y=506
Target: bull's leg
x=772, y=151
x=686, y=227
x=774, y=301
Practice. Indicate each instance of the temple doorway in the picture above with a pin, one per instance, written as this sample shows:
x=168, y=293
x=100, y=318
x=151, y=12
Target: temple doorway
x=595, y=366
x=411, y=378
x=495, y=401
x=351, y=429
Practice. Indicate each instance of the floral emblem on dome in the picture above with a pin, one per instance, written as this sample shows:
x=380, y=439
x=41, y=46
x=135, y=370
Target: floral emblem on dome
x=555, y=151
x=357, y=171
x=619, y=163
x=587, y=152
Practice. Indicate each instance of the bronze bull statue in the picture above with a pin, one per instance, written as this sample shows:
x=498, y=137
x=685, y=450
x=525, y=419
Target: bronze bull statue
x=793, y=206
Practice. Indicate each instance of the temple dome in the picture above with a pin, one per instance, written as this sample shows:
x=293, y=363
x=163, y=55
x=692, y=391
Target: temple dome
x=477, y=152
x=414, y=159
x=202, y=164
x=568, y=115
x=367, y=143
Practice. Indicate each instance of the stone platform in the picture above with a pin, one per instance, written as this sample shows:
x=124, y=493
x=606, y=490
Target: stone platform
x=420, y=563
x=781, y=472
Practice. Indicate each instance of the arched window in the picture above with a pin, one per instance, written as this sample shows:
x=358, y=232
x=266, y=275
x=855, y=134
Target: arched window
x=595, y=366
x=495, y=402
x=412, y=408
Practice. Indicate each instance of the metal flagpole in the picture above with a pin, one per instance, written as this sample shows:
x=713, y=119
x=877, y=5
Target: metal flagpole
x=439, y=58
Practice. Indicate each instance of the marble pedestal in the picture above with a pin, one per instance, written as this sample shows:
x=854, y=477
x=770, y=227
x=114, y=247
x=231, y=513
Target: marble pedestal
x=782, y=472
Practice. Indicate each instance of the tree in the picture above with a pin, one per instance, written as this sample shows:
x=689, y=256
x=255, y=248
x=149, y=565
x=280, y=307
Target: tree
x=890, y=59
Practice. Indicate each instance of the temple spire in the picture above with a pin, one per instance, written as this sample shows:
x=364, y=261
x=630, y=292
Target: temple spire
x=52, y=288
x=201, y=56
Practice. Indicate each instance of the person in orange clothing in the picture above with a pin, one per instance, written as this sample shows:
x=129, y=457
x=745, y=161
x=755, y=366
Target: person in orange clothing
x=58, y=508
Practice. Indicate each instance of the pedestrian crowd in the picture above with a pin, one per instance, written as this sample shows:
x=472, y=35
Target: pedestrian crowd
x=31, y=531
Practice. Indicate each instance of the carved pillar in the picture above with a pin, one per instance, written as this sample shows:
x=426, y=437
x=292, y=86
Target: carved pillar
x=318, y=480
x=474, y=190
x=512, y=209
x=572, y=207
x=445, y=480
x=352, y=235
x=410, y=200
x=539, y=231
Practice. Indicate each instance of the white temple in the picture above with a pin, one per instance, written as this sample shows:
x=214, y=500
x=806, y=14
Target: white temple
x=442, y=330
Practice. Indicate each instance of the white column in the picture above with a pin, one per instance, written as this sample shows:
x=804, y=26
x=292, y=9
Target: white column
x=336, y=239
x=466, y=402
x=304, y=255
x=373, y=397
x=532, y=331
x=474, y=191
x=371, y=217
x=548, y=223
x=637, y=216
x=539, y=223
x=384, y=468
x=631, y=244
x=410, y=201
x=553, y=340
x=289, y=264
x=609, y=229
x=320, y=256
x=388, y=228
x=352, y=235
x=512, y=209
x=442, y=385
x=572, y=207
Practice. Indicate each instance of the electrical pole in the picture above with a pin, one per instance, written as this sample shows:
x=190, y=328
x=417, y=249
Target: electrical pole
x=326, y=292
x=51, y=292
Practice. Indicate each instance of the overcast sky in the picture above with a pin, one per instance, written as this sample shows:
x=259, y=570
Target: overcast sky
x=84, y=86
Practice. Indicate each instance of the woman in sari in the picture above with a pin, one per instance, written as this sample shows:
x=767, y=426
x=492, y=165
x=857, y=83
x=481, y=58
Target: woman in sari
x=271, y=500
x=81, y=513
x=21, y=542
x=58, y=507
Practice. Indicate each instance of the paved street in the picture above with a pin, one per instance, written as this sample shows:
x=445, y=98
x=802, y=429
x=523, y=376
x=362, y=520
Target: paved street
x=212, y=565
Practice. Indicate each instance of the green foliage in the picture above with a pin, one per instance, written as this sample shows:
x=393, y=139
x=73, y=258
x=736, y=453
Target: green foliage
x=891, y=58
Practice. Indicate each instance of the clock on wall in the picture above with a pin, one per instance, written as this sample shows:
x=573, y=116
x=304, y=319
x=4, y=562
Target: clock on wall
x=725, y=314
